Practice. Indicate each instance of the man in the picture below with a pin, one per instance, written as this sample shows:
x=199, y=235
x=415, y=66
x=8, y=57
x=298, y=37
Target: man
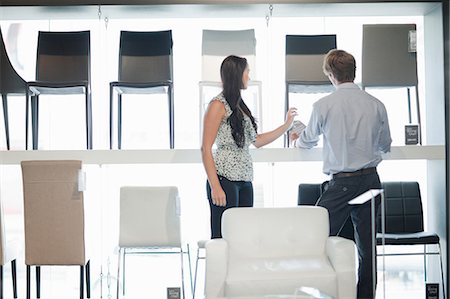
x=355, y=132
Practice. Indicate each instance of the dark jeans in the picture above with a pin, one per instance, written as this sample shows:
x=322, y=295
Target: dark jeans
x=238, y=193
x=335, y=197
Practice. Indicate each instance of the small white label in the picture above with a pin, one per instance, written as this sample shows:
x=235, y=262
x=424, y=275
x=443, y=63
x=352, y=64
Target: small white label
x=81, y=180
x=412, y=41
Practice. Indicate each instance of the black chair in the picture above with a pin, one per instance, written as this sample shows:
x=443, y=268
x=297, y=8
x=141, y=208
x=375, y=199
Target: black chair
x=308, y=194
x=63, y=68
x=145, y=67
x=11, y=84
x=304, y=60
x=404, y=222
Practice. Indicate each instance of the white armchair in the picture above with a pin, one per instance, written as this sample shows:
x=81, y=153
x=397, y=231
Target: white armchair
x=268, y=251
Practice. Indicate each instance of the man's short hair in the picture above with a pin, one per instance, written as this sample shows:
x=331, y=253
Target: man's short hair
x=341, y=64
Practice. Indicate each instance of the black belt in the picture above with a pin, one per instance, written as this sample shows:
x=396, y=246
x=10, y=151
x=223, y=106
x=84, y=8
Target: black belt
x=363, y=171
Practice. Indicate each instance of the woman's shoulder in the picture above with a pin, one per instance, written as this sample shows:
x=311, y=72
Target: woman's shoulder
x=220, y=100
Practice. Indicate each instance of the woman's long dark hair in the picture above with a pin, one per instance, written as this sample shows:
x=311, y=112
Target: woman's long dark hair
x=231, y=72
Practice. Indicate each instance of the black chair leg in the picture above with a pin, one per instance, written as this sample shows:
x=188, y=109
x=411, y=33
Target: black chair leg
x=28, y=282
x=38, y=281
x=111, y=95
x=27, y=101
x=81, y=282
x=1, y=282
x=5, y=117
x=171, y=118
x=88, y=279
x=35, y=121
x=14, y=278
x=119, y=121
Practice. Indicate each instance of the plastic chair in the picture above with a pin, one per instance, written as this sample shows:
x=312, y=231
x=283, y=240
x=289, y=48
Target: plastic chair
x=150, y=223
x=404, y=222
x=389, y=59
x=145, y=67
x=218, y=44
x=11, y=84
x=54, y=219
x=63, y=68
x=9, y=251
x=304, y=60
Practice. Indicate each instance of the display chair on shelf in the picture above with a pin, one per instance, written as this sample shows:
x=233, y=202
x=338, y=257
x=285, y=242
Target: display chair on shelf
x=389, y=60
x=216, y=46
x=145, y=67
x=304, y=61
x=11, y=84
x=54, y=219
x=150, y=224
x=63, y=67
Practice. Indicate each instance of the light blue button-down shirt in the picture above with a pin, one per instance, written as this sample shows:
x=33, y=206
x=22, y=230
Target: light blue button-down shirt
x=354, y=126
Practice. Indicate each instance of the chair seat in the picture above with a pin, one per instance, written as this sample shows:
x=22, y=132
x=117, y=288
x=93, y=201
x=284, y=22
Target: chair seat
x=277, y=276
x=408, y=239
x=141, y=88
x=58, y=88
x=309, y=87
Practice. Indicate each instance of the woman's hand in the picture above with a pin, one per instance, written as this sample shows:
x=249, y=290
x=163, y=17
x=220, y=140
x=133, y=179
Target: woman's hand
x=218, y=197
x=290, y=115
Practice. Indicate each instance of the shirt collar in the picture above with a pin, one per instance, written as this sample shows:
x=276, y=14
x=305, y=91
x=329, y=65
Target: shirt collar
x=347, y=85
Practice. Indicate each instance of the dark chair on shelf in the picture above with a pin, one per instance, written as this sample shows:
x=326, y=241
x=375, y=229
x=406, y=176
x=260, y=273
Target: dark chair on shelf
x=63, y=68
x=304, y=60
x=404, y=222
x=54, y=219
x=308, y=194
x=389, y=60
x=11, y=84
x=145, y=67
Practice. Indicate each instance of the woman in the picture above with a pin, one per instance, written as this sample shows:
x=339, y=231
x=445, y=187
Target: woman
x=229, y=123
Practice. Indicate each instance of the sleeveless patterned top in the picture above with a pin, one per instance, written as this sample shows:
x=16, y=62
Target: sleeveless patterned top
x=233, y=162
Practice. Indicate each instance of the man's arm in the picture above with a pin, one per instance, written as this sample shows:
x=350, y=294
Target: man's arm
x=385, y=133
x=309, y=137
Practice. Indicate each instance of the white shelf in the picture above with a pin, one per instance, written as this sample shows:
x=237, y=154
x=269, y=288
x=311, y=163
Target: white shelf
x=175, y=156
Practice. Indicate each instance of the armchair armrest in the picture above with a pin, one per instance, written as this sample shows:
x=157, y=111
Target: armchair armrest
x=341, y=253
x=216, y=268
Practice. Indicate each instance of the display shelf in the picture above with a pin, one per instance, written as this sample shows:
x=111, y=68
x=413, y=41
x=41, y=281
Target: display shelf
x=174, y=156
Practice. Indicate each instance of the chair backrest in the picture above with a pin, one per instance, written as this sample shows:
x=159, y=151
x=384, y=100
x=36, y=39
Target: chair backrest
x=54, y=213
x=403, y=207
x=10, y=81
x=145, y=56
x=149, y=217
x=218, y=44
x=386, y=57
x=273, y=232
x=63, y=57
x=304, y=58
x=308, y=194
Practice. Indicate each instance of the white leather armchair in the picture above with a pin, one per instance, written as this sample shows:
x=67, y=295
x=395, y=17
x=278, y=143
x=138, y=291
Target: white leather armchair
x=268, y=251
